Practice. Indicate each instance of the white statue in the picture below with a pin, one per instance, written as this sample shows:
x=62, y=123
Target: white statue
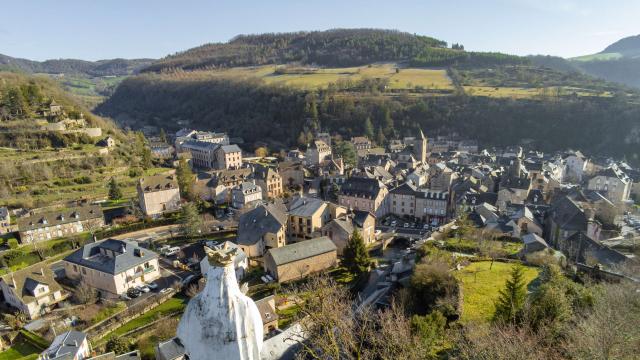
x=221, y=322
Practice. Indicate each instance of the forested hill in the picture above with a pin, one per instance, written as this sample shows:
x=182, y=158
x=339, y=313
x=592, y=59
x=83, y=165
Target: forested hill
x=338, y=47
x=112, y=67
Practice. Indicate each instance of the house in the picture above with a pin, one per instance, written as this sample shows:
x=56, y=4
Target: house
x=32, y=290
x=216, y=185
x=292, y=173
x=324, y=137
x=60, y=223
x=364, y=194
x=267, y=308
x=613, y=183
x=261, y=229
x=317, y=152
x=160, y=150
x=228, y=157
x=441, y=177
x=269, y=181
x=184, y=135
x=533, y=243
x=340, y=229
x=5, y=221
x=527, y=222
x=131, y=355
x=107, y=142
x=158, y=194
x=307, y=216
x=244, y=194
x=361, y=143
x=575, y=165
x=202, y=153
x=567, y=217
x=581, y=248
x=70, y=345
x=300, y=259
x=112, y=266
x=424, y=204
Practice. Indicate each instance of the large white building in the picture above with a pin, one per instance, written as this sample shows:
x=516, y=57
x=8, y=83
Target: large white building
x=158, y=194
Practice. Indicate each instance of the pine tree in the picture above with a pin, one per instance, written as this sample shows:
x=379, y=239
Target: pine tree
x=163, y=135
x=117, y=344
x=380, y=139
x=146, y=158
x=191, y=222
x=356, y=257
x=115, y=193
x=185, y=179
x=387, y=122
x=510, y=304
x=368, y=129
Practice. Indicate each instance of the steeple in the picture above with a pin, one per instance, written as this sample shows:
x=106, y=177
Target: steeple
x=420, y=147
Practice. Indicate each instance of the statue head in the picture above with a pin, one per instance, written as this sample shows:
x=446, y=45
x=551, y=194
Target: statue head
x=220, y=258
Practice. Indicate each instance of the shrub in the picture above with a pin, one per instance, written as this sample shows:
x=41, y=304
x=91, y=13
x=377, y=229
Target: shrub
x=12, y=243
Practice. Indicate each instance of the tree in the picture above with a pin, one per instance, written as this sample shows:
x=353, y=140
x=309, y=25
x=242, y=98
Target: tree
x=115, y=192
x=163, y=135
x=346, y=150
x=12, y=243
x=431, y=283
x=356, y=257
x=14, y=101
x=185, y=179
x=262, y=152
x=191, y=222
x=117, y=344
x=510, y=304
x=146, y=158
x=85, y=294
x=380, y=138
x=387, y=122
x=368, y=129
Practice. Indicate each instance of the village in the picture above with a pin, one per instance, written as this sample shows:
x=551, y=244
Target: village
x=266, y=221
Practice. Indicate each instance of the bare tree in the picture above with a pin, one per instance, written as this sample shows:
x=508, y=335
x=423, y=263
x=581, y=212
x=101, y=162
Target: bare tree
x=85, y=294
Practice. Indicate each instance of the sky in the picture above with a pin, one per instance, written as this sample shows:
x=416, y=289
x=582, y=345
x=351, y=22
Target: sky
x=105, y=29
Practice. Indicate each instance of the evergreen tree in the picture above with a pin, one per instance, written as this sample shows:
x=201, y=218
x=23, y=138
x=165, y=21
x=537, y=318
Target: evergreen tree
x=163, y=135
x=387, y=122
x=115, y=193
x=510, y=304
x=346, y=150
x=14, y=102
x=146, y=158
x=380, y=139
x=302, y=139
x=356, y=257
x=191, y=222
x=368, y=129
x=185, y=179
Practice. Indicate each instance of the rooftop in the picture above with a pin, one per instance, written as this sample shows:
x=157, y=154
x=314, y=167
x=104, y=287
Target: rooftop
x=302, y=250
x=111, y=256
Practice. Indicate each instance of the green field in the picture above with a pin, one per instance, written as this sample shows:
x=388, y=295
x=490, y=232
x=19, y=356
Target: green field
x=172, y=305
x=598, y=57
x=315, y=78
x=480, y=287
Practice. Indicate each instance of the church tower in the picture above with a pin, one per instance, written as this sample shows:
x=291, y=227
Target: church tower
x=420, y=147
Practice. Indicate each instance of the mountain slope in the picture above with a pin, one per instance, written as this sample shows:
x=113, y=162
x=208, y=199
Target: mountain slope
x=628, y=47
x=112, y=67
x=334, y=48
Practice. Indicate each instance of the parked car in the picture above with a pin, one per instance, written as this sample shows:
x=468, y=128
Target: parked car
x=152, y=286
x=394, y=223
x=406, y=225
x=165, y=290
x=425, y=226
x=133, y=293
x=143, y=288
x=172, y=251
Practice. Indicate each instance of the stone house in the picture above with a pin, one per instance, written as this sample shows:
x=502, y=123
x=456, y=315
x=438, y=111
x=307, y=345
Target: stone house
x=308, y=215
x=567, y=217
x=267, y=308
x=317, y=152
x=361, y=143
x=228, y=157
x=112, y=266
x=575, y=165
x=60, y=223
x=32, y=290
x=292, y=173
x=424, y=204
x=613, y=183
x=244, y=194
x=269, y=180
x=158, y=194
x=300, y=259
x=533, y=243
x=364, y=194
x=340, y=229
x=261, y=229
x=5, y=221
x=216, y=185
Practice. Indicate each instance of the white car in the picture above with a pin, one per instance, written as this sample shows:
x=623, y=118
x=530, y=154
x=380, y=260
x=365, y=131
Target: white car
x=152, y=286
x=143, y=288
x=394, y=223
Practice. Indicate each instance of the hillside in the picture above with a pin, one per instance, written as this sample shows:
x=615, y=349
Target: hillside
x=112, y=67
x=332, y=48
x=618, y=62
x=45, y=167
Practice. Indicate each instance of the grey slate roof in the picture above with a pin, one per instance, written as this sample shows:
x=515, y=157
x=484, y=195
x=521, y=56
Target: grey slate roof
x=362, y=187
x=59, y=217
x=111, y=256
x=132, y=355
x=65, y=345
x=158, y=183
x=230, y=148
x=254, y=224
x=304, y=206
x=532, y=239
x=170, y=349
x=302, y=250
x=28, y=278
x=4, y=212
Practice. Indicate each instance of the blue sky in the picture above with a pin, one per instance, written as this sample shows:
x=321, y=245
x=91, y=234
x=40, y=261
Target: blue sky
x=99, y=29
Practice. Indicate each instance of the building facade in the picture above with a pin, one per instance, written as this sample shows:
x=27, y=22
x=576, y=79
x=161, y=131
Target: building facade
x=32, y=290
x=301, y=259
x=59, y=224
x=158, y=194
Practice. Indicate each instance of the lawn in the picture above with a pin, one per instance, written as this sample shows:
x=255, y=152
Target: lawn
x=23, y=349
x=108, y=311
x=287, y=316
x=480, y=287
x=170, y=306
